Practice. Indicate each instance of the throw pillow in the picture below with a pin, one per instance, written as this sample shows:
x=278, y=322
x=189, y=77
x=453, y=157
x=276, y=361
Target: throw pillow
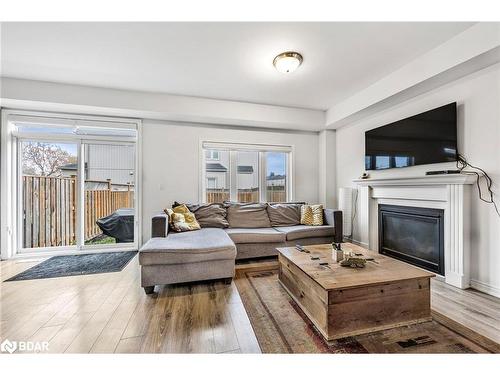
x=311, y=214
x=247, y=215
x=284, y=214
x=210, y=215
x=181, y=219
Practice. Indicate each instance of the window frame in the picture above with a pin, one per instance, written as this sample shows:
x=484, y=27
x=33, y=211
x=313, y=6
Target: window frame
x=11, y=218
x=233, y=149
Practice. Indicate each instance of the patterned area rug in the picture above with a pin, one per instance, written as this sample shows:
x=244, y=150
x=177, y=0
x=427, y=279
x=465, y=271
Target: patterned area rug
x=281, y=326
x=74, y=265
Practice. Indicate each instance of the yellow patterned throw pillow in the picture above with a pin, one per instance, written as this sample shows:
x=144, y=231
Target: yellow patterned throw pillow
x=181, y=219
x=311, y=214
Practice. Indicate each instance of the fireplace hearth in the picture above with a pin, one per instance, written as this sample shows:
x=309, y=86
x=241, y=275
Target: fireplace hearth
x=412, y=234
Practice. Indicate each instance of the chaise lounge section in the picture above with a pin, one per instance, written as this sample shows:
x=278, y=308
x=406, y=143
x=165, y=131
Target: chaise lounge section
x=210, y=253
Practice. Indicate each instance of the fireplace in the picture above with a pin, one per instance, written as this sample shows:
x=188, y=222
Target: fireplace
x=412, y=234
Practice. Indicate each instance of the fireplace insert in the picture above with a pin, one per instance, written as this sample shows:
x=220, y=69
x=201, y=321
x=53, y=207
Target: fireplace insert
x=412, y=234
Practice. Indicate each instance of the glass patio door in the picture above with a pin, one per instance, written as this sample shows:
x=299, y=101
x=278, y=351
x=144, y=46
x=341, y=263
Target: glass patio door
x=109, y=194
x=76, y=185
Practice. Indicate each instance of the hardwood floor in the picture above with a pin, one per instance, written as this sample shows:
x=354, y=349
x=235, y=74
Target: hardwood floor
x=475, y=310
x=109, y=312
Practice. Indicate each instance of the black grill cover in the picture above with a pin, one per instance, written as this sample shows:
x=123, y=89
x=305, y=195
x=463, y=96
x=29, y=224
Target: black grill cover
x=120, y=225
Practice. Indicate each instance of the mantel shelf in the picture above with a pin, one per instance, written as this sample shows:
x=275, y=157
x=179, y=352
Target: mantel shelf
x=444, y=179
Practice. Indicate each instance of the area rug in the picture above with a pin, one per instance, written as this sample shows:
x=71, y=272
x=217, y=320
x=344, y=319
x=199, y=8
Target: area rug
x=74, y=265
x=281, y=327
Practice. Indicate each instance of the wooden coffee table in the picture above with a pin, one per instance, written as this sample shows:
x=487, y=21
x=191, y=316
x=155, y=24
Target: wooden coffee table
x=344, y=301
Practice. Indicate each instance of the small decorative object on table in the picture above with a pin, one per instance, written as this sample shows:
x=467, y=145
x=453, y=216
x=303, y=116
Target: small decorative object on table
x=337, y=253
x=353, y=263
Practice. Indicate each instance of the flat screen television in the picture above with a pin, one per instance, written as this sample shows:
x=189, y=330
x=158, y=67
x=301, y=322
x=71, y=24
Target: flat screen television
x=427, y=138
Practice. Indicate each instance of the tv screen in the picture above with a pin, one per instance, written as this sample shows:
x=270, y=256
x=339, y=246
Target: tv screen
x=427, y=138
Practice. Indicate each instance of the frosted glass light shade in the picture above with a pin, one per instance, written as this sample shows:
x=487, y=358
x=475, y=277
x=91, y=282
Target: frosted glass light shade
x=287, y=62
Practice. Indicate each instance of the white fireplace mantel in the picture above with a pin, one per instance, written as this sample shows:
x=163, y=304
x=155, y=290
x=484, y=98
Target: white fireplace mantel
x=450, y=193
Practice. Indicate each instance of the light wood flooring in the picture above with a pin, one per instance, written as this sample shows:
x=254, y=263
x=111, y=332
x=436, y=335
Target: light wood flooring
x=109, y=312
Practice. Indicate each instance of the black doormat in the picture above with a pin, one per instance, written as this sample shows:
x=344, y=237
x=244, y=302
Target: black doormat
x=75, y=265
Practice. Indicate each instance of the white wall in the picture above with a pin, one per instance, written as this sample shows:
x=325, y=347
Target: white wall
x=327, y=172
x=171, y=161
x=60, y=97
x=478, y=98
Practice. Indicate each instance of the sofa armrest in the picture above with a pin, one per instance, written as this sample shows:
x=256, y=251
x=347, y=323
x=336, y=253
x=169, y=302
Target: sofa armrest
x=334, y=217
x=328, y=216
x=159, y=225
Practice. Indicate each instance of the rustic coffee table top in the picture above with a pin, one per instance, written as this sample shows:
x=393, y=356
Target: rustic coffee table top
x=334, y=276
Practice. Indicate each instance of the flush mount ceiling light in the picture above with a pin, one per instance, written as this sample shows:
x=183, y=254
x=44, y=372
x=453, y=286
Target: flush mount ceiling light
x=287, y=62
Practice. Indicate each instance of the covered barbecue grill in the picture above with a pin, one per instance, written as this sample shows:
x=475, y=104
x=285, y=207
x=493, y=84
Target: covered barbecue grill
x=119, y=225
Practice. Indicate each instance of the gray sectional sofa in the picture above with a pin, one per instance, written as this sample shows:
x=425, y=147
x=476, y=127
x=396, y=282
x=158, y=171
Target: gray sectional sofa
x=210, y=253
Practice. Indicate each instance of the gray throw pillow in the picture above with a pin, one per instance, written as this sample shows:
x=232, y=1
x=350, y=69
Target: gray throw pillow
x=284, y=214
x=210, y=215
x=247, y=215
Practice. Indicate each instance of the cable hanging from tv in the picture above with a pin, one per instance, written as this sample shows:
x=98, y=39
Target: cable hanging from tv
x=462, y=163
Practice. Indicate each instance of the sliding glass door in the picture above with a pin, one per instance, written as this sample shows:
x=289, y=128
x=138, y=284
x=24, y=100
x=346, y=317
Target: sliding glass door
x=48, y=188
x=77, y=186
x=109, y=191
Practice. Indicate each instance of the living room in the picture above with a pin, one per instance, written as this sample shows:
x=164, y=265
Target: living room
x=250, y=188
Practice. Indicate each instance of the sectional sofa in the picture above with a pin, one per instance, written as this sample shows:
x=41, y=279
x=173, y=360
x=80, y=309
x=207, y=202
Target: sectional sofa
x=228, y=232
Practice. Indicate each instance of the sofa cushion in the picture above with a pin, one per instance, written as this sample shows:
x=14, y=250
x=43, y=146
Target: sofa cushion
x=306, y=231
x=247, y=215
x=210, y=215
x=284, y=214
x=255, y=235
x=203, y=245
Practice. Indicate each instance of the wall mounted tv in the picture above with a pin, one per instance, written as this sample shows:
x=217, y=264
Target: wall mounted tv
x=427, y=138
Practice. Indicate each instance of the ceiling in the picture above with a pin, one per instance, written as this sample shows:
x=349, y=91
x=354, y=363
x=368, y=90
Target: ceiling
x=231, y=61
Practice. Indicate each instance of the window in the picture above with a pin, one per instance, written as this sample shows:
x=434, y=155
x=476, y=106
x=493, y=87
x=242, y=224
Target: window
x=217, y=176
x=212, y=155
x=211, y=183
x=245, y=173
x=247, y=179
x=276, y=176
x=71, y=176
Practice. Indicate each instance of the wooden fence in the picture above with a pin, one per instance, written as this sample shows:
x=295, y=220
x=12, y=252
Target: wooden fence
x=49, y=210
x=273, y=194
x=100, y=203
x=217, y=195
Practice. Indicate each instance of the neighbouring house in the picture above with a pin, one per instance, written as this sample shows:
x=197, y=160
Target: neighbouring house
x=217, y=171
x=105, y=162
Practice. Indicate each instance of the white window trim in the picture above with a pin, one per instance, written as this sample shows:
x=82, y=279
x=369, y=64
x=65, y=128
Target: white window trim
x=233, y=147
x=9, y=195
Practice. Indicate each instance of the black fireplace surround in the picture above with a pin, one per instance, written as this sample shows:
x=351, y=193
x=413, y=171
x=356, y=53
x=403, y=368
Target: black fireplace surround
x=412, y=234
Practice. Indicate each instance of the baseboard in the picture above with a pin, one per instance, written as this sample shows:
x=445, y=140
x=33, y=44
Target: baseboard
x=485, y=288
x=359, y=243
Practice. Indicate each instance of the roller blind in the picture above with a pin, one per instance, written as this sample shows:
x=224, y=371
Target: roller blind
x=245, y=146
x=72, y=129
